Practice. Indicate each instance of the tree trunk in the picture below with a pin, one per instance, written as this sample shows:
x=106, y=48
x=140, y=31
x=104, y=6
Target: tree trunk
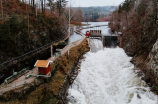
x=33, y=3
x=42, y=5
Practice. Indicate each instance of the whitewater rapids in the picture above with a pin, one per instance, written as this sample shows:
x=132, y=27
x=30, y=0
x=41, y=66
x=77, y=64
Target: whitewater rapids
x=95, y=45
x=108, y=77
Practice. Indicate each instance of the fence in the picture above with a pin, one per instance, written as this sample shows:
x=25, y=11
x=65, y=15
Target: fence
x=31, y=52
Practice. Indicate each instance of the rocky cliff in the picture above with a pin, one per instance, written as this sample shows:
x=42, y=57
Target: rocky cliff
x=137, y=20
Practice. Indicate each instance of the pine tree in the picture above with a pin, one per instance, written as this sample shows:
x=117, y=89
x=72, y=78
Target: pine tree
x=120, y=9
x=126, y=6
x=60, y=6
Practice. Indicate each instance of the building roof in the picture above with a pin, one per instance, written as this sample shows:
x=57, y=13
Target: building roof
x=42, y=63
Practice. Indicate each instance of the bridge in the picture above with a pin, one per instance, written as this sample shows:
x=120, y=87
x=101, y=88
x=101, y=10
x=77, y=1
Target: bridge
x=87, y=27
x=107, y=40
x=93, y=26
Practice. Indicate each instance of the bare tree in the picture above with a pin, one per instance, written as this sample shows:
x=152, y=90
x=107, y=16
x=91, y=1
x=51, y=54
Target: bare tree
x=33, y=3
x=88, y=19
x=42, y=6
x=79, y=15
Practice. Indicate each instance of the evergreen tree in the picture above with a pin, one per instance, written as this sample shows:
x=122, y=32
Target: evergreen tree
x=60, y=6
x=126, y=6
x=120, y=9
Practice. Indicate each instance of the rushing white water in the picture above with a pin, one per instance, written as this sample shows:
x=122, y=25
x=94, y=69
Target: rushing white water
x=107, y=77
x=95, y=45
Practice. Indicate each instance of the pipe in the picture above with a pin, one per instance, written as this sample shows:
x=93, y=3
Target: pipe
x=14, y=75
x=28, y=75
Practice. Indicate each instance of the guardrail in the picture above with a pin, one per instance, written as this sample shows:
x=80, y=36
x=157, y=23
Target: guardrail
x=93, y=26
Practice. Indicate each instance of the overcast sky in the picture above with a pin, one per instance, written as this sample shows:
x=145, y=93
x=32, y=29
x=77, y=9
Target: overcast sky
x=87, y=3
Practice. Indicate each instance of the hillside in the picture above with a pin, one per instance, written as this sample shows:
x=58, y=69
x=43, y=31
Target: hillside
x=95, y=12
x=138, y=21
x=24, y=28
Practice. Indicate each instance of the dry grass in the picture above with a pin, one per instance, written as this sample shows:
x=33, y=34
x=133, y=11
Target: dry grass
x=45, y=92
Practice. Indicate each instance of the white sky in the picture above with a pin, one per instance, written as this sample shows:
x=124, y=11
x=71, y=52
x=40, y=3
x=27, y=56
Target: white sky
x=87, y=3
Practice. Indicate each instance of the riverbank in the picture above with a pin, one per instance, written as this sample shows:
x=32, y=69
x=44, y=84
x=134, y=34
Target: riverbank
x=146, y=66
x=79, y=24
x=144, y=60
x=105, y=75
x=50, y=92
x=75, y=23
x=139, y=39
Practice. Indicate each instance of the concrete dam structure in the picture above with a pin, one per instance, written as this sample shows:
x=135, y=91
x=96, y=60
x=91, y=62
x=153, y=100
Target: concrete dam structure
x=107, y=40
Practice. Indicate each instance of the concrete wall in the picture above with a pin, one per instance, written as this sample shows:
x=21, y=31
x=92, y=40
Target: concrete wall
x=110, y=41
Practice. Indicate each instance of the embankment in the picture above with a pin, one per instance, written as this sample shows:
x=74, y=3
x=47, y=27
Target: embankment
x=145, y=61
x=138, y=22
x=63, y=70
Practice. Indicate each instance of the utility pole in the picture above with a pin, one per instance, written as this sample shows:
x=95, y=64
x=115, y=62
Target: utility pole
x=51, y=47
x=69, y=30
x=69, y=20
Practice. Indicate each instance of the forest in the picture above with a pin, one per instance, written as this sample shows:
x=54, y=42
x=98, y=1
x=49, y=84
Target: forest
x=26, y=25
x=138, y=21
x=95, y=12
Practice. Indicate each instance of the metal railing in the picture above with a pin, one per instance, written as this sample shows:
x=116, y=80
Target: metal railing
x=36, y=50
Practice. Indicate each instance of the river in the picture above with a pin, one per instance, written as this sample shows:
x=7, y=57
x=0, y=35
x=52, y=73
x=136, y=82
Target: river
x=105, y=30
x=74, y=36
x=108, y=77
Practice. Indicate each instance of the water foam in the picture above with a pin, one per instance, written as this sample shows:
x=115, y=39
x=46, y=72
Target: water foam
x=107, y=77
x=95, y=45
